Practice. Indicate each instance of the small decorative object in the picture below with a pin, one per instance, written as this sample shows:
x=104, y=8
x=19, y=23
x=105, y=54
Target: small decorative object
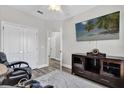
x=95, y=51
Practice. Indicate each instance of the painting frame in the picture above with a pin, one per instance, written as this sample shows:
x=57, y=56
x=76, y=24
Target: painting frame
x=105, y=27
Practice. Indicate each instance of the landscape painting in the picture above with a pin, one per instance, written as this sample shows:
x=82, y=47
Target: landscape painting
x=101, y=28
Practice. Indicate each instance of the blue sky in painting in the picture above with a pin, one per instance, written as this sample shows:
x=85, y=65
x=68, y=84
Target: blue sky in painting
x=80, y=28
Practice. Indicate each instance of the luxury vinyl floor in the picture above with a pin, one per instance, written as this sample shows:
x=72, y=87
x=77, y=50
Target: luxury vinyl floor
x=53, y=65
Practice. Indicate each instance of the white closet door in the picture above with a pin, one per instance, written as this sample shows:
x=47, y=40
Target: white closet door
x=20, y=44
x=11, y=42
x=31, y=47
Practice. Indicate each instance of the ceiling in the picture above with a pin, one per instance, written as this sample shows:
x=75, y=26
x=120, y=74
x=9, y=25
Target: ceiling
x=67, y=11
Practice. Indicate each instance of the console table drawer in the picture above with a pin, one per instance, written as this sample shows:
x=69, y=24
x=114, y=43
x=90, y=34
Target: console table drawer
x=83, y=73
x=109, y=81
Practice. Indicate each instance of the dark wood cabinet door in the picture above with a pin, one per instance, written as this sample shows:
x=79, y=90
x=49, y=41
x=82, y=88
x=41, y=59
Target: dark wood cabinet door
x=109, y=75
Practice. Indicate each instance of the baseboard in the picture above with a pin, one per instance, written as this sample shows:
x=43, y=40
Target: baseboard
x=41, y=66
x=67, y=66
x=55, y=58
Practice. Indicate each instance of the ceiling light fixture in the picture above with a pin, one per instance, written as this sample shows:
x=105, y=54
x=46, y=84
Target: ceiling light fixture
x=55, y=7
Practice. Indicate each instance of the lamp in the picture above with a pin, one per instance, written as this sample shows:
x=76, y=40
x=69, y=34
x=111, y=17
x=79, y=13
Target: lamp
x=54, y=7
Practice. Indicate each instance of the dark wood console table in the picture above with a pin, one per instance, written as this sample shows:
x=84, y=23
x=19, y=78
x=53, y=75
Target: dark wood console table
x=107, y=70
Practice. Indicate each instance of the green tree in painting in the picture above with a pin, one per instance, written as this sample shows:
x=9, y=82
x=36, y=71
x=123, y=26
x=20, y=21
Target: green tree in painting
x=109, y=22
x=89, y=26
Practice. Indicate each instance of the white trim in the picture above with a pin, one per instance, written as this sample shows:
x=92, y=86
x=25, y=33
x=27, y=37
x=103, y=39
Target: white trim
x=67, y=66
x=47, y=54
x=61, y=48
x=2, y=37
x=41, y=66
x=18, y=25
x=55, y=58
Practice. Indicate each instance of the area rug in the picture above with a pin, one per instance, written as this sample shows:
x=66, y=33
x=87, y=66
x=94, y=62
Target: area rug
x=61, y=79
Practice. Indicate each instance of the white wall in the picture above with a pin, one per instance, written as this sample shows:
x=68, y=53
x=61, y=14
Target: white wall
x=110, y=47
x=12, y=15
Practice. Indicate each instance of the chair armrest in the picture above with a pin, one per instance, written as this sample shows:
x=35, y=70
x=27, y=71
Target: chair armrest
x=18, y=63
x=10, y=70
x=19, y=69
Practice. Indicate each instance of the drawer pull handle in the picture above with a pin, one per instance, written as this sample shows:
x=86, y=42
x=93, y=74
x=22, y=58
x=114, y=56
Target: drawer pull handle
x=105, y=80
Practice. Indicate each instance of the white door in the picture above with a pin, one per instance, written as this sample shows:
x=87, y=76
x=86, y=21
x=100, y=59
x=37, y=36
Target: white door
x=54, y=46
x=11, y=42
x=20, y=44
x=31, y=47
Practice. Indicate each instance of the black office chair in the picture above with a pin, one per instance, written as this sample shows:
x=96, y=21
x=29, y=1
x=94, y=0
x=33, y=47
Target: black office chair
x=16, y=70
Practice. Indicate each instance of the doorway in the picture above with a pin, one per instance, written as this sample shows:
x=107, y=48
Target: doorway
x=54, y=49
